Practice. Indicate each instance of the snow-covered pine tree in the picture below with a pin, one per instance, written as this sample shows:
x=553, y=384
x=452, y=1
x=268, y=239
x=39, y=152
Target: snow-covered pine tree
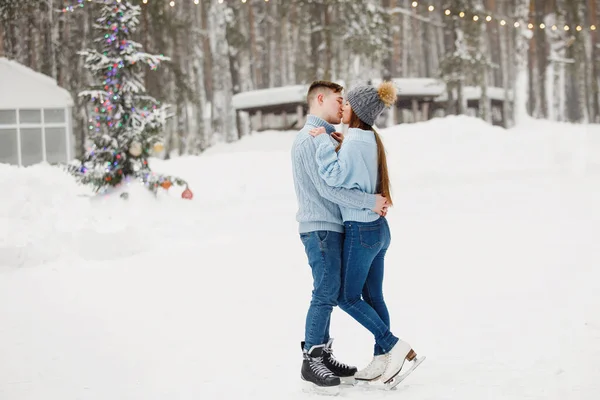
x=125, y=122
x=452, y=68
x=468, y=61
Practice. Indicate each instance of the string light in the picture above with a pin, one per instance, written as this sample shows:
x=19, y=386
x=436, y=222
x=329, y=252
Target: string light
x=414, y=4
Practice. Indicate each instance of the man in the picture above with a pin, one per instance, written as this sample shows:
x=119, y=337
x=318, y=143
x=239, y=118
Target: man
x=322, y=233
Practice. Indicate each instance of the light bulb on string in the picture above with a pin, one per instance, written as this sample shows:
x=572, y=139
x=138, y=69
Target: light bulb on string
x=415, y=4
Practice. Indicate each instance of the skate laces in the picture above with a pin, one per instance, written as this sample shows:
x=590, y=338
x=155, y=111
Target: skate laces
x=316, y=364
x=334, y=361
x=368, y=367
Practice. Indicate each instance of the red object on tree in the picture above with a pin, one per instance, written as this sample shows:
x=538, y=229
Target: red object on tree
x=187, y=194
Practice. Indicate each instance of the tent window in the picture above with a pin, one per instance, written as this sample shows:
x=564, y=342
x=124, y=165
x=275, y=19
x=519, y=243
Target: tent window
x=54, y=116
x=31, y=146
x=9, y=147
x=56, y=144
x=38, y=134
x=8, y=117
x=30, y=116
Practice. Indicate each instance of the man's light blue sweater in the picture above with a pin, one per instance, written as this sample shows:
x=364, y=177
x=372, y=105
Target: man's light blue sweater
x=355, y=166
x=318, y=203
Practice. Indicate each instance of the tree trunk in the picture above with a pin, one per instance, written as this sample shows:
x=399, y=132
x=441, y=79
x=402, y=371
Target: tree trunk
x=521, y=47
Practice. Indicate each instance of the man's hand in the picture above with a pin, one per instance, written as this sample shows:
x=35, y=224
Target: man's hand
x=381, y=205
x=338, y=136
x=317, y=131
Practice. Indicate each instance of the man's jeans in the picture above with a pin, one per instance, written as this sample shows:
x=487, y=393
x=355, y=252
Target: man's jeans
x=324, y=252
x=365, y=246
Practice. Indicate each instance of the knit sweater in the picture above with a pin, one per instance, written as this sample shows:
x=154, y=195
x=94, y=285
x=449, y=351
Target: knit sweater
x=318, y=203
x=354, y=166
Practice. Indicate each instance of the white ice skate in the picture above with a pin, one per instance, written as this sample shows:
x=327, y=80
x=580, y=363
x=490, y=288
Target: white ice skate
x=374, y=370
x=400, y=353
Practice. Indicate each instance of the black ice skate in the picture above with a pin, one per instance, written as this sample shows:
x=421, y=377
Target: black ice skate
x=314, y=372
x=339, y=369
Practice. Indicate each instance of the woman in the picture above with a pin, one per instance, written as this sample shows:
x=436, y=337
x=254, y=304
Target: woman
x=361, y=163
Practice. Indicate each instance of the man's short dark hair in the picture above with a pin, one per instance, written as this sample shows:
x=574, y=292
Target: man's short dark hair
x=318, y=86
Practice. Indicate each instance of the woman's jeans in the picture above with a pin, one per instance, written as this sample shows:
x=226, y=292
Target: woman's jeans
x=365, y=245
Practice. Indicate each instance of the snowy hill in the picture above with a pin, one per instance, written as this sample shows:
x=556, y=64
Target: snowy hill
x=492, y=273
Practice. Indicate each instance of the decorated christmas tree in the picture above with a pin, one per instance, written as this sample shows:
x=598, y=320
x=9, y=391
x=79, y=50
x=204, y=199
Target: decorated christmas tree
x=126, y=122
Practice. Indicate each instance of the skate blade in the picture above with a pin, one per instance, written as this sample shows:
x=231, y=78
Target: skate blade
x=311, y=388
x=347, y=380
x=372, y=384
x=395, y=381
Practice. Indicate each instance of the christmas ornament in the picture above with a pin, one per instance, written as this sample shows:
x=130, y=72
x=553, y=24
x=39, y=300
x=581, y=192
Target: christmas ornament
x=166, y=184
x=187, y=194
x=158, y=147
x=135, y=149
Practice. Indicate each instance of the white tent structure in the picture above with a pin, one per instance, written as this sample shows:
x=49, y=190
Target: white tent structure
x=35, y=117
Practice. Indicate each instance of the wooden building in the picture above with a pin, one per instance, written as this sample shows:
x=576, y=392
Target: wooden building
x=419, y=99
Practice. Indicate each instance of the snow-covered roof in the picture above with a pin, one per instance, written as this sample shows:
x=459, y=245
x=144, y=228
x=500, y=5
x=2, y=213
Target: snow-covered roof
x=22, y=87
x=474, y=93
x=437, y=88
x=270, y=97
x=417, y=86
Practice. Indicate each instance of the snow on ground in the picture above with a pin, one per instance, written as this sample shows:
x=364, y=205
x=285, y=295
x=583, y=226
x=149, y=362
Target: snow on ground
x=492, y=274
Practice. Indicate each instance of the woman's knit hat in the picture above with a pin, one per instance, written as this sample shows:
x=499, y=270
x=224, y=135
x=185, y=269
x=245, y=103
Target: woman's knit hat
x=367, y=102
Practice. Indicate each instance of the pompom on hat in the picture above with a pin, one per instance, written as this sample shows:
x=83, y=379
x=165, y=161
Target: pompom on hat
x=368, y=102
